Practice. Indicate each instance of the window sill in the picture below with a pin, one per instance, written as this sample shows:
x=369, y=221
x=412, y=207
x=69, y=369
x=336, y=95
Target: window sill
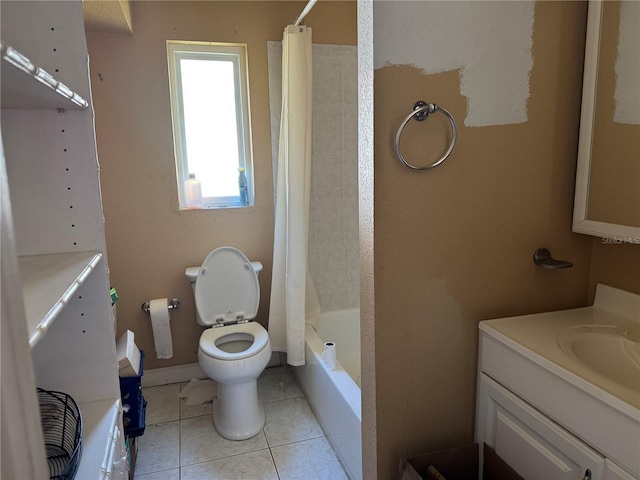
x=214, y=207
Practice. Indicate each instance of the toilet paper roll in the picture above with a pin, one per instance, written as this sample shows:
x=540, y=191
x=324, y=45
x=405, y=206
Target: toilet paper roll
x=159, y=310
x=329, y=354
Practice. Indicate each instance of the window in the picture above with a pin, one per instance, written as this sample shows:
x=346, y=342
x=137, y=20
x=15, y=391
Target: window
x=211, y=123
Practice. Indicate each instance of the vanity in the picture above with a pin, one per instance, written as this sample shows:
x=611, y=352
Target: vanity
x=559, y=392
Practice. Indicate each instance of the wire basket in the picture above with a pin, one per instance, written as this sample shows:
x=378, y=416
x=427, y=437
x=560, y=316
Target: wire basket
x=62, y=431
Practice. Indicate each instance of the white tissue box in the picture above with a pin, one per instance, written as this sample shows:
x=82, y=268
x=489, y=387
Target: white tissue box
x=128, y=356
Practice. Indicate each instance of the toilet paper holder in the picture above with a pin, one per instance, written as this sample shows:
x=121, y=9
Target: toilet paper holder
x=173, y=304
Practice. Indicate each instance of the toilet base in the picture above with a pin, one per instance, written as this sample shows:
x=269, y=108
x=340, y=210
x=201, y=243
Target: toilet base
x=237, y=412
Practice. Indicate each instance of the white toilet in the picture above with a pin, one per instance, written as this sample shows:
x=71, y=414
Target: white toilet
x=235, y=350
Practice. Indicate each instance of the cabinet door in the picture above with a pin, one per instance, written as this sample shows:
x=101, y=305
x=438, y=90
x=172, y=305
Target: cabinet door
x=535, y=446
x=614, y=472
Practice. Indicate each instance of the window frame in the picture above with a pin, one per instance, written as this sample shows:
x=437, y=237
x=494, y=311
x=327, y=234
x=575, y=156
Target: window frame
x=237, y=54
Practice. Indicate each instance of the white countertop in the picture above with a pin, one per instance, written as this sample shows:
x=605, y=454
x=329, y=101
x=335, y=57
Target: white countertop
x=539, y=333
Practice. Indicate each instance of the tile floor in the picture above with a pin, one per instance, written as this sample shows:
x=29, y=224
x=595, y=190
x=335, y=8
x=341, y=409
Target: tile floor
x=181, y=443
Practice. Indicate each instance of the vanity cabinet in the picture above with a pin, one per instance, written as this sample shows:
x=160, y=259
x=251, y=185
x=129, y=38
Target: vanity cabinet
x=545, y=421
x=530, y=442
x=58, y=330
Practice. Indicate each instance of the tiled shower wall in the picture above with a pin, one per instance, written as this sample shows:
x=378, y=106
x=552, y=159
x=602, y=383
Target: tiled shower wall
x=333, y=215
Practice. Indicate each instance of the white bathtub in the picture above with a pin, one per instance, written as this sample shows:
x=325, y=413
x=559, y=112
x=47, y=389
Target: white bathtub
x=335, y=394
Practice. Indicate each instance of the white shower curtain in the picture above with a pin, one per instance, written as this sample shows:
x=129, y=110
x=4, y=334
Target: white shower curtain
x=293, y=296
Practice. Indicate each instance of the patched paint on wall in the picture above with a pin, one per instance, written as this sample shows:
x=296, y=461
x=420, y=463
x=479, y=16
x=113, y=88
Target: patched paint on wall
x=466, y=230
x=627, y=95
x=488, y=42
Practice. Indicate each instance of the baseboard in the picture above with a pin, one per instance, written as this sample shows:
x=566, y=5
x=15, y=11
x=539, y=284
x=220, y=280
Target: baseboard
x=175, y=374
x=277, y=359
x=184, y=373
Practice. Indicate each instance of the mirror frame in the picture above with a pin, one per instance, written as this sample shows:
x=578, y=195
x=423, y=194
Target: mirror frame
x=581, y=224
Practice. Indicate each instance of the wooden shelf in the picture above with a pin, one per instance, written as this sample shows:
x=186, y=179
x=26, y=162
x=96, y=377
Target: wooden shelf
x=48, y=283
x=25, y=85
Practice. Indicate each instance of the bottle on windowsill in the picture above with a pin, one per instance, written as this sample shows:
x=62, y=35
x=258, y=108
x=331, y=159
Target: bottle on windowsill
x=244, y=189
x=193, y=193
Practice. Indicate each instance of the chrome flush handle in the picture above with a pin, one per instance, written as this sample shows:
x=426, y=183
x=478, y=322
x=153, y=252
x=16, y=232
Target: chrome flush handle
x=587, y=475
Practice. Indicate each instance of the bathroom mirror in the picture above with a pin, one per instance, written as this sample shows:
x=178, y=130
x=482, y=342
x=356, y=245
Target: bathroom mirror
x=607, y=197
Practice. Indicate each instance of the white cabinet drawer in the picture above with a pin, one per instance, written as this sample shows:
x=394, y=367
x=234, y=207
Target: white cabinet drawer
x=536, y=447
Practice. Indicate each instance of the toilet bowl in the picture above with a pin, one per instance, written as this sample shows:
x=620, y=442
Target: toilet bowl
x=235, y=350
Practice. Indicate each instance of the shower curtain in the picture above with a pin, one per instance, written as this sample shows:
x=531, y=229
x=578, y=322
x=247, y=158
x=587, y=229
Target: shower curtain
x=293, y=296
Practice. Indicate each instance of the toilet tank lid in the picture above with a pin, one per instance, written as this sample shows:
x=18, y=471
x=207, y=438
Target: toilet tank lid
x=192, y=272
x=257, y=266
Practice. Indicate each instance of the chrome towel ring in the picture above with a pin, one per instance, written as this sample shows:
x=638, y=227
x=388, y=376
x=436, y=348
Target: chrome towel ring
x=421, y=110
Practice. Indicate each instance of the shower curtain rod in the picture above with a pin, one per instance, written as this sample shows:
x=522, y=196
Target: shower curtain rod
x=306, y=10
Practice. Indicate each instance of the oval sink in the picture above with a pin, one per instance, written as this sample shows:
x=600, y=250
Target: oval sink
x=611, y=351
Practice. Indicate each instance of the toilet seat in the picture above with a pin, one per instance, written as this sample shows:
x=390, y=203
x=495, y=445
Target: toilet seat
x=210, y=337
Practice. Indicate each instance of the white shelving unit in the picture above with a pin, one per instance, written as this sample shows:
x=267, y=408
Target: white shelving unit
x=99, y=419
x=48, y=284
x=26, y=85
x=57, y=321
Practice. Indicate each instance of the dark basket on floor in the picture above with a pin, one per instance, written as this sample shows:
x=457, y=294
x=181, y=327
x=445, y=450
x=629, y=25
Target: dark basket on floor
x=62, y=432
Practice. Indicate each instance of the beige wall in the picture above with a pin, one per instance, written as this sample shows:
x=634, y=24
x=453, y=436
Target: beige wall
x=454, y=245
x=614, y=264
x=150, y=242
